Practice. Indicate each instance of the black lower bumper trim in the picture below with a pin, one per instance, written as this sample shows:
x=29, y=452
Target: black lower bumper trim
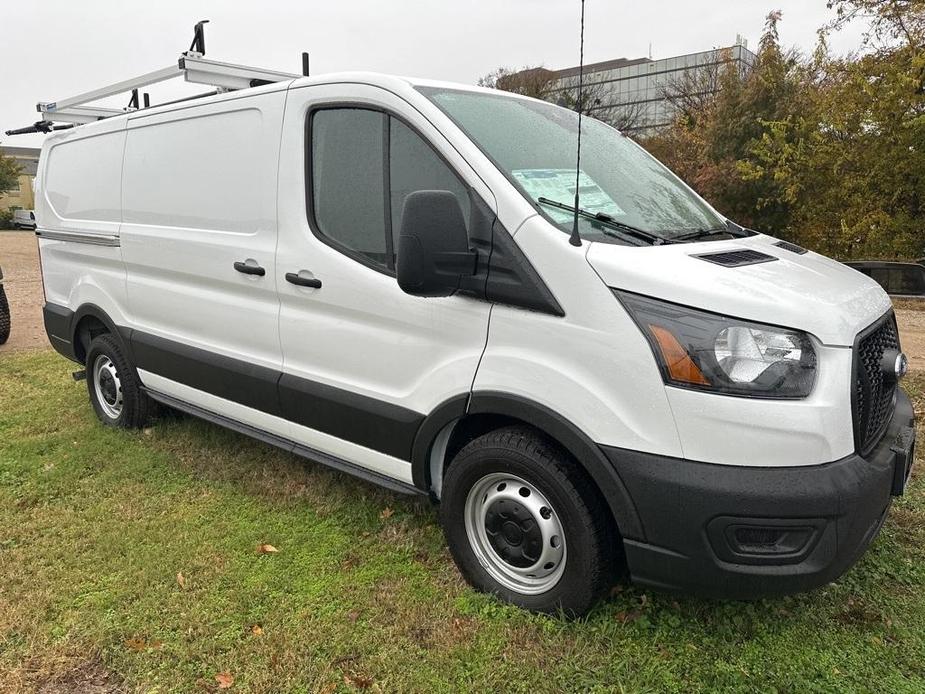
x=58, y=320
x=746, y=532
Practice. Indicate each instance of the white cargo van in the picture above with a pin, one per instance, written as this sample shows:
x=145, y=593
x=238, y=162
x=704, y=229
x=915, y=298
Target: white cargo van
x=23, y=219
x=376, y=273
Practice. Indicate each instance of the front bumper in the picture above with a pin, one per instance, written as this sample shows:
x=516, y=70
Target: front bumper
x=747, y=532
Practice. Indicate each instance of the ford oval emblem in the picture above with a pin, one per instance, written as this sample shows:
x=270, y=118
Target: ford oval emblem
x=893, y=365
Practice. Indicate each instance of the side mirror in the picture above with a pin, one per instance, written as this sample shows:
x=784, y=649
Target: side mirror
x=433, y=246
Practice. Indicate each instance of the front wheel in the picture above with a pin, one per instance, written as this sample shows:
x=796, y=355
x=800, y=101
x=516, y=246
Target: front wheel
x=525, y=523
x=114, y=387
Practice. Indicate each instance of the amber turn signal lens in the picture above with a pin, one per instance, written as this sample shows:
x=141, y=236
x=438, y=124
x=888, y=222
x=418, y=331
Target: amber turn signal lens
x=680, y=366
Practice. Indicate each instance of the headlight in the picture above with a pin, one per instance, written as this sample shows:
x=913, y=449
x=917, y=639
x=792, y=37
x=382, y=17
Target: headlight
x=708, y=351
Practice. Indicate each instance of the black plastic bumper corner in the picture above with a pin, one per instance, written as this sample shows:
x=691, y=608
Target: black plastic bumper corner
x=694, y=516
x=58, y=320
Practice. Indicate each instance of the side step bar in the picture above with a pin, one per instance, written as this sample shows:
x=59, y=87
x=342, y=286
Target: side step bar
x=286, y=444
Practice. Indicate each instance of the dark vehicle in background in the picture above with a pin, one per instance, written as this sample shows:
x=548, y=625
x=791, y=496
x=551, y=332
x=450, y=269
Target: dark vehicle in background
x=906, y=280
x=4, y=313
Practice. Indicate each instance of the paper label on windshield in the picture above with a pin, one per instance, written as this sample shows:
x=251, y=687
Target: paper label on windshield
x=559, y=185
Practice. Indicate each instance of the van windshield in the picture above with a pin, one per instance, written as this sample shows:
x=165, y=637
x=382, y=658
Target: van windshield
x=534, y=144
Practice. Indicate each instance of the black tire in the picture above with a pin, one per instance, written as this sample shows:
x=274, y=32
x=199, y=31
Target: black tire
x=135, y=405
x=592, y=545
x=4, y=317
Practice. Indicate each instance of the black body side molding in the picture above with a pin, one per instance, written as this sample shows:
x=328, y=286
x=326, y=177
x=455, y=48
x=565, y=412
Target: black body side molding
x=372, y=423
x=61, y=325
x=232, y=379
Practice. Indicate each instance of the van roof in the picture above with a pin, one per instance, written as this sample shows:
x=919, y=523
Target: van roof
x=394, y=83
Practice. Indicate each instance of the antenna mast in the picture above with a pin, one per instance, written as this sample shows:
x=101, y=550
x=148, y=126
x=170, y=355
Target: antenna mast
x=575, y=238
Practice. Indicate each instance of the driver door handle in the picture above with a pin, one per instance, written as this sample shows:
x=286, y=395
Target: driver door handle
x=297, y=279
x=248, y=269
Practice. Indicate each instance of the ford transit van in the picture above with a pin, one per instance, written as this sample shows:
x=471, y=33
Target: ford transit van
x=380, y=274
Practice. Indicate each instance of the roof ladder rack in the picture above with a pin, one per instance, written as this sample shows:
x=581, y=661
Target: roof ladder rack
x=192, y=66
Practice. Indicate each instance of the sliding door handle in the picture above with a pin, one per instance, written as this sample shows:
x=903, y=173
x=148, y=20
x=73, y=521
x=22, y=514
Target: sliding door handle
x=250, y=268
x=297, y=279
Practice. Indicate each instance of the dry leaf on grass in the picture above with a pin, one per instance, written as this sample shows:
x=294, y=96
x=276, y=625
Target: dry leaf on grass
x=357, y=680
x=386, y=513
x=625, y=617
x=225, y=680
x=138, y=644
x=257, y=630
x=353, y=616
x=181, y=580
x=266, y=549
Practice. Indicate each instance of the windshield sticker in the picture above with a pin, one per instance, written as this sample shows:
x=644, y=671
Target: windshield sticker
x=559, y=185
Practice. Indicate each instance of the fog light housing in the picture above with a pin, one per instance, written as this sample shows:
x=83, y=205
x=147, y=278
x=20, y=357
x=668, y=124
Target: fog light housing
x=764, y=540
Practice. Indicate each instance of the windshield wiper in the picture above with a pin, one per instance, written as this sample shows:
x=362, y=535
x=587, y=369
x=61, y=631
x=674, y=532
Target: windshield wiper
x=731, y=229
x=606, y=219
x=702, y=234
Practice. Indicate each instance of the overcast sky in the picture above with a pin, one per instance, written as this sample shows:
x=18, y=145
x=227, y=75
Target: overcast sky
x=53, y=49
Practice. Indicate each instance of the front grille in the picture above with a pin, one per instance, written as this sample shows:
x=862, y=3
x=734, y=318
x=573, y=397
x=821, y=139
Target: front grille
x=874, y=395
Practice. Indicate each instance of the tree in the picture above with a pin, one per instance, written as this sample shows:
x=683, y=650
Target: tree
x=691, y=92
x=826, y=151
x=9, y=174
x=890, y=21
x=528, y=81
x=719, y=142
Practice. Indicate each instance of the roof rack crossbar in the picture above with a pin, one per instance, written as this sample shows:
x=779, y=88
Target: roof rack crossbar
x=51, y=107
x=192, y=66
x=201, y=70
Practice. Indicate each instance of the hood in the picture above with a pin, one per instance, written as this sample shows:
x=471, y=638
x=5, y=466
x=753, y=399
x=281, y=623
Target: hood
x=809, y=292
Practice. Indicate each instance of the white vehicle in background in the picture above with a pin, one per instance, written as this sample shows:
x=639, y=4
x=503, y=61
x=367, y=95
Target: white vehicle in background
x=376, y=273
x=23, y=219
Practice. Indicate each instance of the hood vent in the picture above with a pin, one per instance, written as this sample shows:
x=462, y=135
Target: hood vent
x=792, y=247
x=736, y=258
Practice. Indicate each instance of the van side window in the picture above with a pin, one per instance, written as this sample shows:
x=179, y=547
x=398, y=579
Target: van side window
x=357, y=155
x=348, y=180
x=415, y=166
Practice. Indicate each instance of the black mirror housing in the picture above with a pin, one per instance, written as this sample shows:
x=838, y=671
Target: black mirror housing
x=433, y=245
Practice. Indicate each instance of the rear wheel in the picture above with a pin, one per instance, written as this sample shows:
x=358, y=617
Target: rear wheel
x=4, y=317
x=525, y=523
x=114, y=387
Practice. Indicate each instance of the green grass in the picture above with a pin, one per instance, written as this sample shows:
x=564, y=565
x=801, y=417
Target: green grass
x=95, y=525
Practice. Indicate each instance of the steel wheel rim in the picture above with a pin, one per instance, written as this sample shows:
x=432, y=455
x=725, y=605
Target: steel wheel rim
x=108, y=387
x=505, y=516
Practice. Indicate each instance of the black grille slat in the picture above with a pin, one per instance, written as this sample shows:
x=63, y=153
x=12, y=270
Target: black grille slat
x=736, y=258
x=792, y=247
x=873, y=394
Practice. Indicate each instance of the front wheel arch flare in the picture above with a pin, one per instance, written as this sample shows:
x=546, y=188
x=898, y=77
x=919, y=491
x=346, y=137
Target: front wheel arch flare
x=511, y=408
